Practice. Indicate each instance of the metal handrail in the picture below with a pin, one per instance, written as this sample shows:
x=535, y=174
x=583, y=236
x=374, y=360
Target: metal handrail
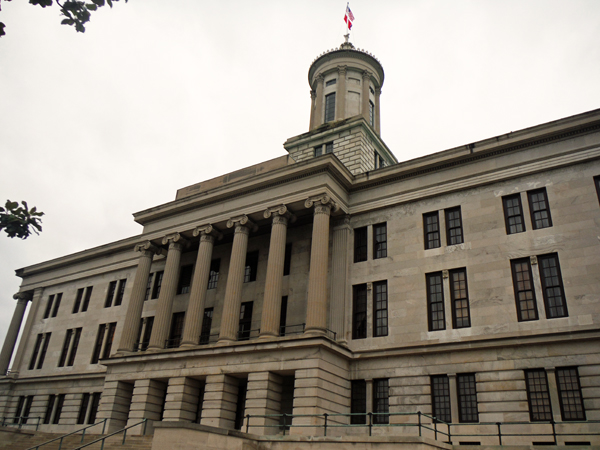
x=20, y=422
x=283, y=329
x=122, y=430
x=246, y=335
x=205, y=339
x=172, y=343
x=103, y=422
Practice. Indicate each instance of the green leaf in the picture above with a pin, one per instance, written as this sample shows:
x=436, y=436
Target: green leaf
x=91, y=6
x=109, y=3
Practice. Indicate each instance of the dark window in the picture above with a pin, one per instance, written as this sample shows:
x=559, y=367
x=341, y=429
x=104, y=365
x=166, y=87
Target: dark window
x=56, y=305
x=251, y=266
x=318, y=150
x=112, y=287
x=538, y=396
x=467, y=398
x=460, y=298
x=287, y=260
x=359, y=311
x=206, y=325
x=330, y=107
x=539, y=209
x=78, y=299
x=60, y=401
x=98, y=345
x=513, y=214
x=176, y=330
x=381, y=400
x=440, y=398
x=524, y=290
x=552, y=286
x=109, y=339
x=74, y=347
x=43, y=351
x=145, y=340
x=49, y=408
x=431, y=227
x=331, y=82
x=23, y=409
x=86, y=299
x=49, y=306
x=202, y=390
x=185, y=279
x=120, y=292
x=283, y=315
x=360, y=244
x=85, y=400
x=597, y=183
x=454, y=231
x=569, y=394
x=379, y=240
x=358, y=402
x=19, y=409
x=380, y=309
x=149, y=287
x=158, y=276
x=36, y=350
x=240, y=404
x=65, y=348
x=213, y=277
x=245, y=324
x=371, y=113
x=94, y=407
x=379, y=161
x=435, y=302
x=328, y=147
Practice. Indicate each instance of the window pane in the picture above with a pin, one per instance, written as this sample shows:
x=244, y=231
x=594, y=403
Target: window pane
x=360, y=244
x=379, y=241
x=213, y=277
x=552, y=286
x=513, y=214
x=380, y=309
x=381, y=400
x=569, y=392
x=358, y=401
x=539, y=208
x=440, y=398
x=185, y=279
x=467, y=398
x=431, y=227
x=359, y=312
x=454, y=232
x=435, y=302
x=330, y=107
x=537, y=395
x=524, y=290
x=460, y=299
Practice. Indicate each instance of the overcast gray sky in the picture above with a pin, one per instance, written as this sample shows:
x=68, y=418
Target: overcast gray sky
x=158, y=95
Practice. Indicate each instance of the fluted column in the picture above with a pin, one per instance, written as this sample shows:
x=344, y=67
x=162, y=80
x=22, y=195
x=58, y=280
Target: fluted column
x=366, y=78
x=13, y=331
x=194, y=314
x=138, y=293
x=235, y=278
x=24, y=341
x=377, y=121
x=164, y=306
x=319, y=103
x=269, y=324
x=340, y=110
x=316, y=308
x=339, y=275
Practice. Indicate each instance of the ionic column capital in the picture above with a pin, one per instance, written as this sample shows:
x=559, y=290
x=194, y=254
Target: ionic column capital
x=366, y=74
x=241, y=222
x=323, y=203
x=175, y=241
x=280, y=214
x=377, y=91
x=342, y=70
x=207, y=233
x=23, y=297
x=147, y=248
x=313, y=94
x=320, y=78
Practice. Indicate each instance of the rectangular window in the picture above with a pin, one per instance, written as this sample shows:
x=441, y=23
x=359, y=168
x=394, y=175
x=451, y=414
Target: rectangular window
x=371, y=113
x=245, y=324
x=77, y=303
x=330, y=107
x=23, y=409
x=318, y=150
x=359, y=311
x=539, y=209
x=569, y=394
x=213, y=277
x=538, y=396
x=49, y=408
x=358, y=402
x=149, y=287
x=74, y=347
x=65, y=348
x=56, y=305
x=460, y=298
x=43, y=351
x=360, y=244
x=524, y=290
x=467, y=398
x=185, y=279
x=158, y=276
x=440, y=398
x=283, y=315
x=104, y=340
x=330, y=82
x=145, y=339
x=287, y=260
x=381, y=401
x=98, y=345
x=251, y=266
x=19, y=409
x=49, y=306
x=176, y=330
x=435, y=302
x=206, y=326
x=60, y=401
x=328, y=147
x=379, y=161
x=120, y=292
x=83, y=407
x=454, y=231
x=109, y=339
x=112, y=287
x=597, y=183
x=380, y=309
x=513, y=214
x=86, y=298
x=36, y=350
x=94, y=407
x=552, y=286
x=431, y=227
x=380, y=240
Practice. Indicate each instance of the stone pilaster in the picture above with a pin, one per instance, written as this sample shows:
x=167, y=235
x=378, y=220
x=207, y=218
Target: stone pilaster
x=269, y=325
x=164, y=307
x=235, y=278
x=553, y=391
x=31, y=318
x=453, y=397
x=263, y=398
x=193, y=317
x=136, y=301
x=318, y=117
x=340, y=302
x=220, y=400
x=316, y=308
x=340, y=109
x=13, y=331
x=147, y=401
x=366, y=79
x=182, y=399
x=115, y=404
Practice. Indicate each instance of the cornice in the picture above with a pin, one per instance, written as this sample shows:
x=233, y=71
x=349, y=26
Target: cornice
x=341, y=52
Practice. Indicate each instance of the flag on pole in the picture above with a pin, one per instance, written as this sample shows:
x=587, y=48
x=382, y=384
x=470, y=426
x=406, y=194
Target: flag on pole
x=348, y=17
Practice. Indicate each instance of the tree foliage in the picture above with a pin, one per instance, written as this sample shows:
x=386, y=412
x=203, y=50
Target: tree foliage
x=77, y=13
x=20, y=221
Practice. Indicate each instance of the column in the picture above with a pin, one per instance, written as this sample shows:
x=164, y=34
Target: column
x=313, y=97
x=318, y=104
x=235, y=278
x=377, y=121
x=316, y=308
x=13, y=331
x=31, y=319
x=136, y=300
x=220, y=401
x=182, y=399
x=263, y=398
x=340, y=110
x=195, y=311
x=269, y=324
x=162, y=319
x=453, y=397
x=339, y=275
x=366, y=78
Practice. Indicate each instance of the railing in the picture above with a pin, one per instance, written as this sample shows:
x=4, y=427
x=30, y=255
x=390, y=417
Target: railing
x=244, y=335
x=103, y=422
x=122, y=430
x=424, y=422
x=206, y=339
x=293, y=329
x=173, y=343
x=20, y=421
x=329, y=332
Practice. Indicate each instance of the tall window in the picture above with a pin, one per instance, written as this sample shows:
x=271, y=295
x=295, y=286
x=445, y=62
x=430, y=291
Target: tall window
x=176, y=330
x=149, y=287
x=569, y=394
x=287, y=260
x=539, y=209
x=158, y=276
x=52, y=305
x=431, y=228
x=60, y=401
x=371, y=113
x=330, y=107
x=94, y=407
x=552, y=286
x=360, y=244
x=49, y=408
x=185, y=279
x=49, y=306
x=83, y=407
x=380, y=240
x=524, y=290
x=379, y=161
x=39, y=351
x=440, y=398
x=460, y=298
x=538, y=396
x=435, y=302
x=283, y=315
x=358, y=402
x=245, y=323
x=118, y=288
x=104, y=340
x=213, y=278
x=467, y=398
x=251, y=267
x=380, y=309
x=144, y=340
x=454, y=230
x=381, y=400
x=56, y=305
x=359, y=311
x=206, y=325
x=74, y=335
x=83, y=295
x=513, y=214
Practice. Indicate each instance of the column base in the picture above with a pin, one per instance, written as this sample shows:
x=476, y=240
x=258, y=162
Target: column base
x=153, y=349
x=225, y=341
x=268, y=336
x=188, y=344
x=315, y=332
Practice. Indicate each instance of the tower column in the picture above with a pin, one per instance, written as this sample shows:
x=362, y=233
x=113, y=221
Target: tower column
x=318, y=116
x=366, y=78
x=313, y=98
x=138, y=294
x=377, y=117
x=193, y=317
x=13, y=331
x=160, y=330
x=317, y=305
x=340, y=110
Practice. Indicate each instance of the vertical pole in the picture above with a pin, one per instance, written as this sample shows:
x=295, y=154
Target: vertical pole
x=370, y=423
x=284, y=422
x=435, y=427
x=499, y=434
x=419, y=414
x=553, y=430
x=247, y=422
x=325, y=426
